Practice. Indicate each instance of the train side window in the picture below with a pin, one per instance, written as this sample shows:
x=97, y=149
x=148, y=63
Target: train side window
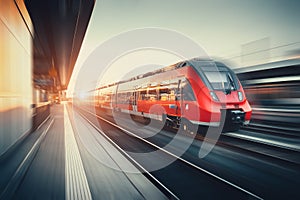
x=119, y=97
x=122, y=97
x=152, y=95
x=142, y=95
x=128, y=97
x=113, y=98
x=168, y=90
x=187, y=91
x=172, y=95
x=99, y=97
x=164, y=94
x=107, y=98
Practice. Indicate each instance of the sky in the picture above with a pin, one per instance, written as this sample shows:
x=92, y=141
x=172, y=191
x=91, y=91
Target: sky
x=233, y=30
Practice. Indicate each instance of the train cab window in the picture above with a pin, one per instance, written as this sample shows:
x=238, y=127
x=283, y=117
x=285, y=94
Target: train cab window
x=221, y=80
x=217, y=76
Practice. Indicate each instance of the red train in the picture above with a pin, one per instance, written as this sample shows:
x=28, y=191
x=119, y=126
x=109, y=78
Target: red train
x=189, y=93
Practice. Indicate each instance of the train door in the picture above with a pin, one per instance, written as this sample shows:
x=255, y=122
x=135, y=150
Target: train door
x=134, y=101
x=179, y=99
x=185, y=96
x=185, y=99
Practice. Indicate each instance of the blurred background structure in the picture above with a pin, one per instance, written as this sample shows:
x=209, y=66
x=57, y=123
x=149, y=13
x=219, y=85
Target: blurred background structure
x=40, y=41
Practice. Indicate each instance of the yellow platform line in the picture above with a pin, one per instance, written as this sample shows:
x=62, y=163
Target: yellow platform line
x=76, y=182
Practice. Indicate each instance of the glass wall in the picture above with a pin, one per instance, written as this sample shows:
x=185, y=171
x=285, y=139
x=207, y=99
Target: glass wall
x=15, y=72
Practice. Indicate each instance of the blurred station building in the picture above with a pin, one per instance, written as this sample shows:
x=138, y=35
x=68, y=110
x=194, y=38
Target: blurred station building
x=39, y=44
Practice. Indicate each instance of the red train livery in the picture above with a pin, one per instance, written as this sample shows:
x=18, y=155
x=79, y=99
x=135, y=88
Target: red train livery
x=190, y=93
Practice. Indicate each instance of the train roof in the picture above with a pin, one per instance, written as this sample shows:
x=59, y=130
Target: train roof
x=201, y=61
x=192, y=62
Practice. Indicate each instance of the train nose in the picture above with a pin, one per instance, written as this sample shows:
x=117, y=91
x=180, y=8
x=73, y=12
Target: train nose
x=237, y=116
x=232, y=119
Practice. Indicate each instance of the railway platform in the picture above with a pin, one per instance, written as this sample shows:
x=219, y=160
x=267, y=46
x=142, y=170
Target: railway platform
x=56, y=162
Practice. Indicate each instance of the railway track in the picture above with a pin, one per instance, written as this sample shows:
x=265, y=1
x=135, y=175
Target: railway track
x=268, y=138
x=276, y=152
x=180, y=162
x=261, y=156
x=272, y=128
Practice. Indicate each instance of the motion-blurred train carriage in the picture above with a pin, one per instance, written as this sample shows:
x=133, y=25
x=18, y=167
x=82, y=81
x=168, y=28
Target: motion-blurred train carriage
x=191, y=93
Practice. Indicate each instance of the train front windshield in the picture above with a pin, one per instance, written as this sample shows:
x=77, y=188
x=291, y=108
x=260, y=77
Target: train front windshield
x=218, y=77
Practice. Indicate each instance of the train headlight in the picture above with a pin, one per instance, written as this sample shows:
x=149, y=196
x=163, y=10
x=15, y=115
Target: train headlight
x=240, y=95
x=214, y=96
x=186, y=106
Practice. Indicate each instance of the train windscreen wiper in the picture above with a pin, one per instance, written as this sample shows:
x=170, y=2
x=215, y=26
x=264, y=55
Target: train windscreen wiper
x=231, y=82
x=231, y=85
